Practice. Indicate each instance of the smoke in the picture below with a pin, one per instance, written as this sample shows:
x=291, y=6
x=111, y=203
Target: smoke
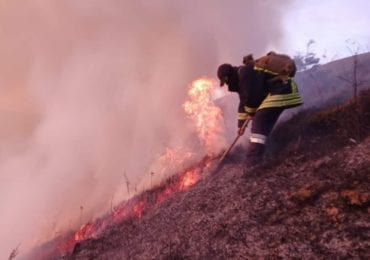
x=92, y=91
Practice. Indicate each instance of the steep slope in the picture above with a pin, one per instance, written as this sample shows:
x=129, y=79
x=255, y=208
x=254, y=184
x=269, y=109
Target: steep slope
x=311, y=199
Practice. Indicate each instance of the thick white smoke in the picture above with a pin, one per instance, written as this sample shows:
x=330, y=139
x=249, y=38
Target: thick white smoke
x=93, y=90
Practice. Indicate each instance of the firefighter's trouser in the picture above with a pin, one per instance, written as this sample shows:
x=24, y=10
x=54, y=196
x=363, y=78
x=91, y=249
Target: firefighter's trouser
x=263, y=122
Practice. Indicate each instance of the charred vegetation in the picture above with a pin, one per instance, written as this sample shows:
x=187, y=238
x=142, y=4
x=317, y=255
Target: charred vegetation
x=310, y=199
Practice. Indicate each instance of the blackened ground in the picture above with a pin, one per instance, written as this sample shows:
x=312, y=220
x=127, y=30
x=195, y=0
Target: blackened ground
x=310, y=200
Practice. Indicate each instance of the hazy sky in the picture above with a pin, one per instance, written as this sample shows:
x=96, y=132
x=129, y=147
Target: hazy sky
x=337, y=26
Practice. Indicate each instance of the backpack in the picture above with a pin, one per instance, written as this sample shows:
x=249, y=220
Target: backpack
x=279, y=64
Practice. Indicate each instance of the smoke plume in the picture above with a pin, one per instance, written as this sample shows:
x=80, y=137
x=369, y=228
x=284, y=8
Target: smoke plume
x=92, y=91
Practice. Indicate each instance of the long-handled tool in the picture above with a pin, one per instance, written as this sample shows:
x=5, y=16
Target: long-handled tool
x=240, y=133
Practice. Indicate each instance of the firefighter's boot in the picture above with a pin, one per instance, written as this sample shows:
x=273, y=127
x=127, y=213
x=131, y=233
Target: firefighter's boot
x=254, y=154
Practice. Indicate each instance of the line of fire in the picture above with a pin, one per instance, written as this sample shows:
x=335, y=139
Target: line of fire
x=209, y=126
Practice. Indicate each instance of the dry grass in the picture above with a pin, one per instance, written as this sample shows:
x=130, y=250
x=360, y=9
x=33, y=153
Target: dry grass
x=343, y=125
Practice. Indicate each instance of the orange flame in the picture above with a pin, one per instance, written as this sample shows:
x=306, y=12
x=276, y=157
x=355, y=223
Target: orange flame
x=138, y=209
x=84, y=232
x=189, y=179
x=209, y=127
x=168, y=191
x=207, y=116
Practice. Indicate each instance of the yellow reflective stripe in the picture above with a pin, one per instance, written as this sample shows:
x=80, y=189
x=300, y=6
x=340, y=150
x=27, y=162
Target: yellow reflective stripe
x=281, y=100
x=242, y=116
x=294, y=86
x=250, y=110
x=265, y=70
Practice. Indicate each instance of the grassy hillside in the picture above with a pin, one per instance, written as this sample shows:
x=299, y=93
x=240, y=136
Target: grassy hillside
x=311, y=199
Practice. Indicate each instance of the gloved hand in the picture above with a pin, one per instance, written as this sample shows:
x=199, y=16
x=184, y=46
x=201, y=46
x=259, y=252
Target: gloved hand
x=241, y=122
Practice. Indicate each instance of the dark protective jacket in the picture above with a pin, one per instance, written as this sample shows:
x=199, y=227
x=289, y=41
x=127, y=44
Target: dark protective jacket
x=259, y=88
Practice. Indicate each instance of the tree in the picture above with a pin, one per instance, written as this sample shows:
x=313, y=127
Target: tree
x=307, y=60
x=353, y=79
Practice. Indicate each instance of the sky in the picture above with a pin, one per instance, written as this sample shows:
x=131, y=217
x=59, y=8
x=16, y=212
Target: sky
x=93, y=90
x=338, y=27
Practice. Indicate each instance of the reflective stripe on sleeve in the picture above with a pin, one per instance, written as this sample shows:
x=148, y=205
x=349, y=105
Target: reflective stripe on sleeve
x=242, y=116
x=250, y=110
x=258, y=138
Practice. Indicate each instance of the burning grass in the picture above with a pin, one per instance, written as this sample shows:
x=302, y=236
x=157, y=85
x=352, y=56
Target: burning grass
x=294, y=209
x=208, y=123
x=312, y=209
x=135, y=208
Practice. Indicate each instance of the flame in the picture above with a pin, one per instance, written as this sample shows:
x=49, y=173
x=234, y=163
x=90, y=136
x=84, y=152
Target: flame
x=84, y=232
x=189, y=179
x=206, y=115
x=173, y=159
x=138, y=209
x=134, y=208
x=119, y=213
x=208, y=122
x=168, y=191
x=185, y=181
x=209, y=128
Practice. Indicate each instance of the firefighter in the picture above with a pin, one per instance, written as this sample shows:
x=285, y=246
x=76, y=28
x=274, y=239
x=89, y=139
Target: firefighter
x=263, y=97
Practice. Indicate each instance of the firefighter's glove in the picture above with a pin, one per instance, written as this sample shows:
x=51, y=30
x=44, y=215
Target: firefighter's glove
x=240, y=122
x=241, y=129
